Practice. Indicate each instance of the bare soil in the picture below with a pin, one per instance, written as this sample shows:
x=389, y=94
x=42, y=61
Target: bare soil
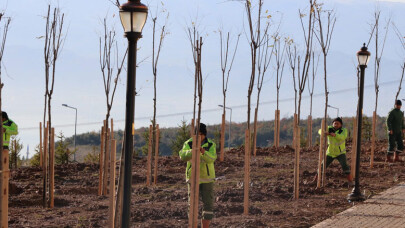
x=165, y=205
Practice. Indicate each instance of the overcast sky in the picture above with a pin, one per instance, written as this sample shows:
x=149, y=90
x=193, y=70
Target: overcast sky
x=79, y=82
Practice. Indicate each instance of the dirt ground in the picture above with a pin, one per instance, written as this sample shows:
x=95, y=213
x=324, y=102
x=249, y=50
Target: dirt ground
x=165, y=205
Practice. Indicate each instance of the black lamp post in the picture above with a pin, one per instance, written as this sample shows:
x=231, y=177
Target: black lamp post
x=133, y=16
x=363, y=56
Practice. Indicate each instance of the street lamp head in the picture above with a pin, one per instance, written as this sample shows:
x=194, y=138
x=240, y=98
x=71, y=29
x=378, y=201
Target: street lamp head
x=221, y=106
x=133, y=16
x=64, y=105
x=363, y=56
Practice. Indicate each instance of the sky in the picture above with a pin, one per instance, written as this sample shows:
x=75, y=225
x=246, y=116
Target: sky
x=79, y=81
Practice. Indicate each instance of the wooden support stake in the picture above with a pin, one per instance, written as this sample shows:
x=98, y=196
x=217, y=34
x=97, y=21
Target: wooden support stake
x=197, y=179
x=52, y=170
x=309, y=143
x=246, y=182
x=106, y=161
x=297, y=163
x=45, y=167
x=112, y=130
x=255, y=133
x=192, y=125
x=222, y=143
x=320, y=173
x=149, y=161
x=101, y=160
x=277, y=129
x=5, y=174
x=156, y=154
x=194, y=186
x=354, y=146
x=40, y=145
x=112, y=182
x=373, y=140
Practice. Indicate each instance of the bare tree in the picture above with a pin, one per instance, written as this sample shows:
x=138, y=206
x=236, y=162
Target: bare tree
x=54, y=39
x=294, y=63
x=379, y=50
x=111, y=64
x=256, y=39
x=279, y=55
x=311, y=86
x=226, y=71
x=155, y=60
x=401, y=38
x=265, y=54
x=323, y=34
x=308, y=38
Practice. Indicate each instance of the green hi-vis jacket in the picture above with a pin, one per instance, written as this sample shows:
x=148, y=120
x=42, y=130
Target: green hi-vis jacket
x=207, y=169
x=395, y=120
x=337, y=144
x=11, y=129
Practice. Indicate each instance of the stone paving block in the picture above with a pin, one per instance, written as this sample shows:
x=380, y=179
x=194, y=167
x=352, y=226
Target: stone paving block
x=385, y=210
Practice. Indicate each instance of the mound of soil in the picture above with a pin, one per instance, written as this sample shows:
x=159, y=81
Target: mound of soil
x=165, y=205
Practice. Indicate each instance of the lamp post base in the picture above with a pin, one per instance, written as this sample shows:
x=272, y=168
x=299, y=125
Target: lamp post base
x=356, y=196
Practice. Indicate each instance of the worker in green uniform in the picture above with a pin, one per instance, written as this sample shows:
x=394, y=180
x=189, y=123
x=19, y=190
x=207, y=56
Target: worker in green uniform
x=208, y=156
x=9, y=129
x=395, y=126
x=337, y=135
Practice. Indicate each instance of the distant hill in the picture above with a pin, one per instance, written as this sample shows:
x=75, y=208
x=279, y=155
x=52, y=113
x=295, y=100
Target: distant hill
x=91, y=141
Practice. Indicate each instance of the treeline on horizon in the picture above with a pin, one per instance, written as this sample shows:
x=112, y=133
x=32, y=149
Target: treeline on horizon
x=264, y=137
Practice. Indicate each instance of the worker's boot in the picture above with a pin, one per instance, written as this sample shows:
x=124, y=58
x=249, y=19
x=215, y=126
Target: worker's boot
x=205, y=223
x=396, y=156
x=389, y=158
x=350, y=179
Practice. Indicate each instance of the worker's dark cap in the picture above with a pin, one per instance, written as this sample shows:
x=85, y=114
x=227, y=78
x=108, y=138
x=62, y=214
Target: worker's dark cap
x=398, y=102
x=203, y=129
x=4, y=115
x=338, y=120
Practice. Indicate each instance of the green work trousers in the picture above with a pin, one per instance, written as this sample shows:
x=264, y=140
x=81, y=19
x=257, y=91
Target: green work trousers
x=342, y=160
x=207, y=195
x=395, y=141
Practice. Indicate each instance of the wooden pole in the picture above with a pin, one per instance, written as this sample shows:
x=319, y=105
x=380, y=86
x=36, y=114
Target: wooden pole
x=112, y=182
x=156, y=154
x=354, y=146
x=52, y=169
x=197, y=179
x=373, y=140
x=101, y=160
x=324, y=148
x=320, y=173
x=222, y=156
x=149, y=161
x=255, y=133
x=106, y=160
x=297, y=157
x=309, y=143
x=45, y=168
x=247, y=174
x=5, y=191
x=15, y=154
x=294, y=130
x=277, y=128
x=194, y=187
x=192, y=125
x=40, y=145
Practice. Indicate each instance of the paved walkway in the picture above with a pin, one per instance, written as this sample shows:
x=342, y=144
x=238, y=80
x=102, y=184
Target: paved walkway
x=386, y=210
